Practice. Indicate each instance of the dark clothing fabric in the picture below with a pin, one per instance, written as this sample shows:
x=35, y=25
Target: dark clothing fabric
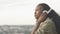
x=57, y=24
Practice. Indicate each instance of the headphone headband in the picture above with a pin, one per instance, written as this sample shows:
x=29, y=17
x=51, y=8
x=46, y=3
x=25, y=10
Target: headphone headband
x=47, y=11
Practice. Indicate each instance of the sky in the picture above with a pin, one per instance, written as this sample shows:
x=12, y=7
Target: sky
x=21, y=12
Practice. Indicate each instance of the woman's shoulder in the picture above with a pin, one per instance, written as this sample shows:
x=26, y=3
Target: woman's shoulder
x=48, y=22
x=47, y=26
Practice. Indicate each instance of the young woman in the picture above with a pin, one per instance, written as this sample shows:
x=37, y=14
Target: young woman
x=45, y=20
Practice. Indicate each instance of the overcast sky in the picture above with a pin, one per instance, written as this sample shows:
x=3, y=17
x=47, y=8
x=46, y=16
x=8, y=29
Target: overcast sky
x=21, y=12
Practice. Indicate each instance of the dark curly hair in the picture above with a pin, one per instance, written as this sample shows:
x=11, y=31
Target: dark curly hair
x=55, y=17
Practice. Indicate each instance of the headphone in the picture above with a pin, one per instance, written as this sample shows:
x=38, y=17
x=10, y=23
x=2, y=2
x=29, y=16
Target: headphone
x=47, y=11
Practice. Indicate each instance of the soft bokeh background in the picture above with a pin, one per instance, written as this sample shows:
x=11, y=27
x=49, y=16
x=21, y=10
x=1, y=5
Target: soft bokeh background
x=21, y=12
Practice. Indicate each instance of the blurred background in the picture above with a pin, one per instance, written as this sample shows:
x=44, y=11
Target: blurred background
x=21, y=12
x=18, y=15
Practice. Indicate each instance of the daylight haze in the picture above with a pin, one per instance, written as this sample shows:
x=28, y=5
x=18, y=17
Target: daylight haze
x=21, y=12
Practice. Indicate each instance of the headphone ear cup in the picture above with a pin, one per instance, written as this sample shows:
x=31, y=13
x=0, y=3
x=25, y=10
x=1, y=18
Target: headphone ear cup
x=45, y=11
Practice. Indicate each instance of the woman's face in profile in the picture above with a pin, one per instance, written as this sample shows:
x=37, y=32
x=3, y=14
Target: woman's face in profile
x=38, y=11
